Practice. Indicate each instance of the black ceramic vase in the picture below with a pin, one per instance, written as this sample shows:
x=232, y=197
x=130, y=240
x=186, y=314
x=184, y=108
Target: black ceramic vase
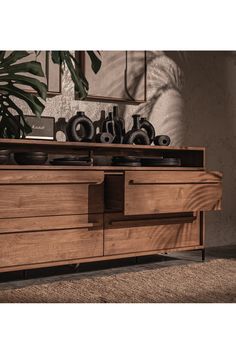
x=136, y=135
x=86, y=129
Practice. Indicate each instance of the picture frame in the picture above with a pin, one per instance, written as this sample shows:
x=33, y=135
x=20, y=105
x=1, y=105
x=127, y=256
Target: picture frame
x=121, y=78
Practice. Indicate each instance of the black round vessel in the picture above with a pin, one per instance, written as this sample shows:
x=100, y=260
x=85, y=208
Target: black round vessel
x=162, y=140
x=4, y=156
x=105, y=138
x=148, y=127
x=131, y=161
x=30, y=158
x=136, y=135
x=86, y=129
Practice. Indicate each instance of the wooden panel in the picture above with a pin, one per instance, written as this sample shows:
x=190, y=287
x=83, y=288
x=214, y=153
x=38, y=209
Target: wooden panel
x=50, y=199
x=94, y=259
x=148, y=177
x=127, y=237
x=94, y=168
x=144, y=196
x=50, y=176
x=45, y=246
x=40, y=223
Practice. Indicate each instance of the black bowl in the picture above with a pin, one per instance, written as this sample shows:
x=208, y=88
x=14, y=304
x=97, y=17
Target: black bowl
x=30, y=158
x=4, y=156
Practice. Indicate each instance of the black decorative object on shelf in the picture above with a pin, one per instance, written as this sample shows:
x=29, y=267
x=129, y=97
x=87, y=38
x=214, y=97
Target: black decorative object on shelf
x=4, y=156
x=72, y=161
x=60, y=129
x=136, y=135
x=119, y=126
x=86, y=129
x=105, y=138
x=30, y=158
x=131, y=161
x=148, y=127
x=161, y=161
x=162, y=140
x=41, y=128
x=109, y=129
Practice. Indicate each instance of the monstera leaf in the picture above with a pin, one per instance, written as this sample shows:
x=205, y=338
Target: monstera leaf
x=67, y=59
x=13, y=74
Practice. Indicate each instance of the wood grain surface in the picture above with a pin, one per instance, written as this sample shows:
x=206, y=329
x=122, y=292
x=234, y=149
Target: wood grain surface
x=50, y=199
x=57, y=245
x=128, y=237
x=148, y=193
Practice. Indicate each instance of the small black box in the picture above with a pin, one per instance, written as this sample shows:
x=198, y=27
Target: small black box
x=42, y=128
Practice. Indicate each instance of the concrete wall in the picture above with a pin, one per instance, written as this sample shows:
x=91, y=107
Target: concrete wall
x=199, y=113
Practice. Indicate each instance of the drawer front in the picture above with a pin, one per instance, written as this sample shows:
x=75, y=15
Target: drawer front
x=50, y=176
x=43, y=223
x=125, y=235
x=55, y=245
x=161, y=192
x=50, y=199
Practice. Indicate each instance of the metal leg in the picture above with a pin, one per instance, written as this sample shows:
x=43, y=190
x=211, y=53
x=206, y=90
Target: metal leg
x=203, y=254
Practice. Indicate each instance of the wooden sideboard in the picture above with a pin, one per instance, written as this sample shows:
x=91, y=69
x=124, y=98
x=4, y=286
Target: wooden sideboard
x=56, y=215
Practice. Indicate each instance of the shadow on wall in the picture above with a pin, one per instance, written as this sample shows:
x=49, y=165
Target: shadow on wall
x=164, y=106
x=210, y=116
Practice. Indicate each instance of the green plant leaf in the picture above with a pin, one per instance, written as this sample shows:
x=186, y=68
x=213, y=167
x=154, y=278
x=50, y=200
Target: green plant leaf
x=32, y=101
x=79, y=86
x=80, y=72
x=11, y=75
x=25, y=128
x=56, y=57
x=32, y=67
x=2, y=53
x=13, y=57
x=95, y=61
x=36, y=85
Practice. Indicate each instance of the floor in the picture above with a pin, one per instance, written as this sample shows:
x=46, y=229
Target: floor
x=25, y=278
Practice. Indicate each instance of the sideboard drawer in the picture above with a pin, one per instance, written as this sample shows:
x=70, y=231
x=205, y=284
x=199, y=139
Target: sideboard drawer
x=150, y=192
x=134, y=234
x=43, y=223
x=51, y=246
x=50, y=176
x=27, y=200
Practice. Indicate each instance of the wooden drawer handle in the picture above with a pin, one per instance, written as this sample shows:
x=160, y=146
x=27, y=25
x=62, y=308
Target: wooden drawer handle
x=147, y=222
x=89, y=224
x=87, y=182
x=140, y=182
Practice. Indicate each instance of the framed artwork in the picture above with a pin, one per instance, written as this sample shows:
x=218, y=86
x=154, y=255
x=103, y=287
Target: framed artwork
x=121, y=78
x=52, y=72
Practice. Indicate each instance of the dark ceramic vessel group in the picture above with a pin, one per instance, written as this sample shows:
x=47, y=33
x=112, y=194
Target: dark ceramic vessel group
x=80, y=128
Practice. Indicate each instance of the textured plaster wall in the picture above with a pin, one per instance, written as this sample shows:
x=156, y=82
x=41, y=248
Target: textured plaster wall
x=210, y=117
x=203, y=113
